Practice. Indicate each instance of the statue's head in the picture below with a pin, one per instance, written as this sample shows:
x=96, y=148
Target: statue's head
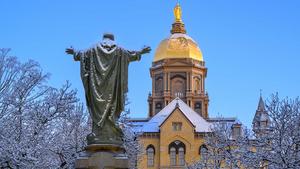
x=108, y=41
x=109, y=36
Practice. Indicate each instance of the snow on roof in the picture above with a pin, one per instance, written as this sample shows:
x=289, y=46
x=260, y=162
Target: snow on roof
x=181, y=35
x=154, y=123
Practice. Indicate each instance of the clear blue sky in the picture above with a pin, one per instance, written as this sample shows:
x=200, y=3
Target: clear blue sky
x=247, y=45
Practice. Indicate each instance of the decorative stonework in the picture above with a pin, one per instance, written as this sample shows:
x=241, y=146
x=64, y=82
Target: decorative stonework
x=178, y=27
x=184, y=78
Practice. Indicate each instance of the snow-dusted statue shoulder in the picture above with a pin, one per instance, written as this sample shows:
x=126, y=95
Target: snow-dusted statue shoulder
x=104, y=74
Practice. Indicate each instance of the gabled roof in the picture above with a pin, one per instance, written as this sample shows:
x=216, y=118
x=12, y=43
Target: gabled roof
x=177, y=108
x=201, y=125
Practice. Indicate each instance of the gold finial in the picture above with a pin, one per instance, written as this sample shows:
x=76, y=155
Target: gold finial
x=177, y=13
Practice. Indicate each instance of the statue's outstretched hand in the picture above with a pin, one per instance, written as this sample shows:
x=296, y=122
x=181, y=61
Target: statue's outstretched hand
x=70, y=51
x=146, y=49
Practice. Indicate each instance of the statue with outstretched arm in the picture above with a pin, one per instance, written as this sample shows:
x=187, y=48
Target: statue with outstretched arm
x=104, y=74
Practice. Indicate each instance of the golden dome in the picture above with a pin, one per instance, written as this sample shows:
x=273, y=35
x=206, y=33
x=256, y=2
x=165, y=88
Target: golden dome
x=178, y=45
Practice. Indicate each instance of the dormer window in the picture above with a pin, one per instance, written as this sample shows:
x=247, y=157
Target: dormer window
x=176, y=126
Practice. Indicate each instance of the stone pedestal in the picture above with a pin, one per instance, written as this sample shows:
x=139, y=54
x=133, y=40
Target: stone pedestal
x=106, y=156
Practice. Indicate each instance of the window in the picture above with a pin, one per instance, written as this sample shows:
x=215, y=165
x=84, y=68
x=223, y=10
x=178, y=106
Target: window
x=150, y=156
x=197, y=86
x=181, y=156
x=178, y=86
x=159, y=86
x=198, y=107
x=264, y=124
x=173, y=156
x=203, y=151
x=177, y=153
x=177, y=126
x=158, y=107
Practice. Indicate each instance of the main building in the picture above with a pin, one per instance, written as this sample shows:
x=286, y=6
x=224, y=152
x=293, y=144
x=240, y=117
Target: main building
x=178, y=117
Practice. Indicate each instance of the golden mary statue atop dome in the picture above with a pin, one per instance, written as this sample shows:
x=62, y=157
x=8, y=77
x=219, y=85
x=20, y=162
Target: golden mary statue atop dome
x=177, y=13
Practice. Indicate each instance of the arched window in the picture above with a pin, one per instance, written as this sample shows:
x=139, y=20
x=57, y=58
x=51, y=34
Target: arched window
x=178, y=86
x=177, y=152
x=181, y=156
x=203, y=151
x=150, y=155
x=158, y=107
x=159, y=86
x=197, y=86
x=173, y=156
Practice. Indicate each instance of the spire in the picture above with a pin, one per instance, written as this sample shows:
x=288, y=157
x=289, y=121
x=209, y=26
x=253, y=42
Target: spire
x=261, y=120
x=261, y=104
x=178, y=25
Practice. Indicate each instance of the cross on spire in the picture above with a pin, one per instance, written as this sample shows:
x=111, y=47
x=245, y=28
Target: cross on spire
x=260, y=92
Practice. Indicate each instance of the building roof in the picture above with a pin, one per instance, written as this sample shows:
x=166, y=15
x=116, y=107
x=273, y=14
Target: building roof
x=223, y=119
x=178, y=46
x=201, y=125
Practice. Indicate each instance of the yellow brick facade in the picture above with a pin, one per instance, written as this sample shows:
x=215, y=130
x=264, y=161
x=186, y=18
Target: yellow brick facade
x=166, y=136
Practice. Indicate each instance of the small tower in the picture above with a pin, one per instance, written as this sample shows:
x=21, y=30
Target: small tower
x=178, y=70
x=261, y=122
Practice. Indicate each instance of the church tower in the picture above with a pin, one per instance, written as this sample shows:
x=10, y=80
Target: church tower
x=261, y=123
x=178, y=70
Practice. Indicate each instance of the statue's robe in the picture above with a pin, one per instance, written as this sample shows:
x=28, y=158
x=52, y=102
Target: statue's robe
x=104, y=74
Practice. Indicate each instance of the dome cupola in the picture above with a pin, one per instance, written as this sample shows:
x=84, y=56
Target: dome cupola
x=178, y=44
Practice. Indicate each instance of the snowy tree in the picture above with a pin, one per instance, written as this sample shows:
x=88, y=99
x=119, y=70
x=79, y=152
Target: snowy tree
x=220, y=150
x=278, y=148
x=133, y=148
x=274, y=147
x=41, y=126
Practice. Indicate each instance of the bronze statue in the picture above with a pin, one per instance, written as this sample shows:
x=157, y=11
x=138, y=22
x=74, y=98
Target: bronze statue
x=104, y=74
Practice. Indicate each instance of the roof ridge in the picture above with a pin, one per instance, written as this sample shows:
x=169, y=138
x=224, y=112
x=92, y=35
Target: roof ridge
x=201, y=125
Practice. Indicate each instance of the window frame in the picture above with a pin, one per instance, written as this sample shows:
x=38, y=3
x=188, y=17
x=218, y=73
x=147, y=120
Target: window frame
x=150, y=151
